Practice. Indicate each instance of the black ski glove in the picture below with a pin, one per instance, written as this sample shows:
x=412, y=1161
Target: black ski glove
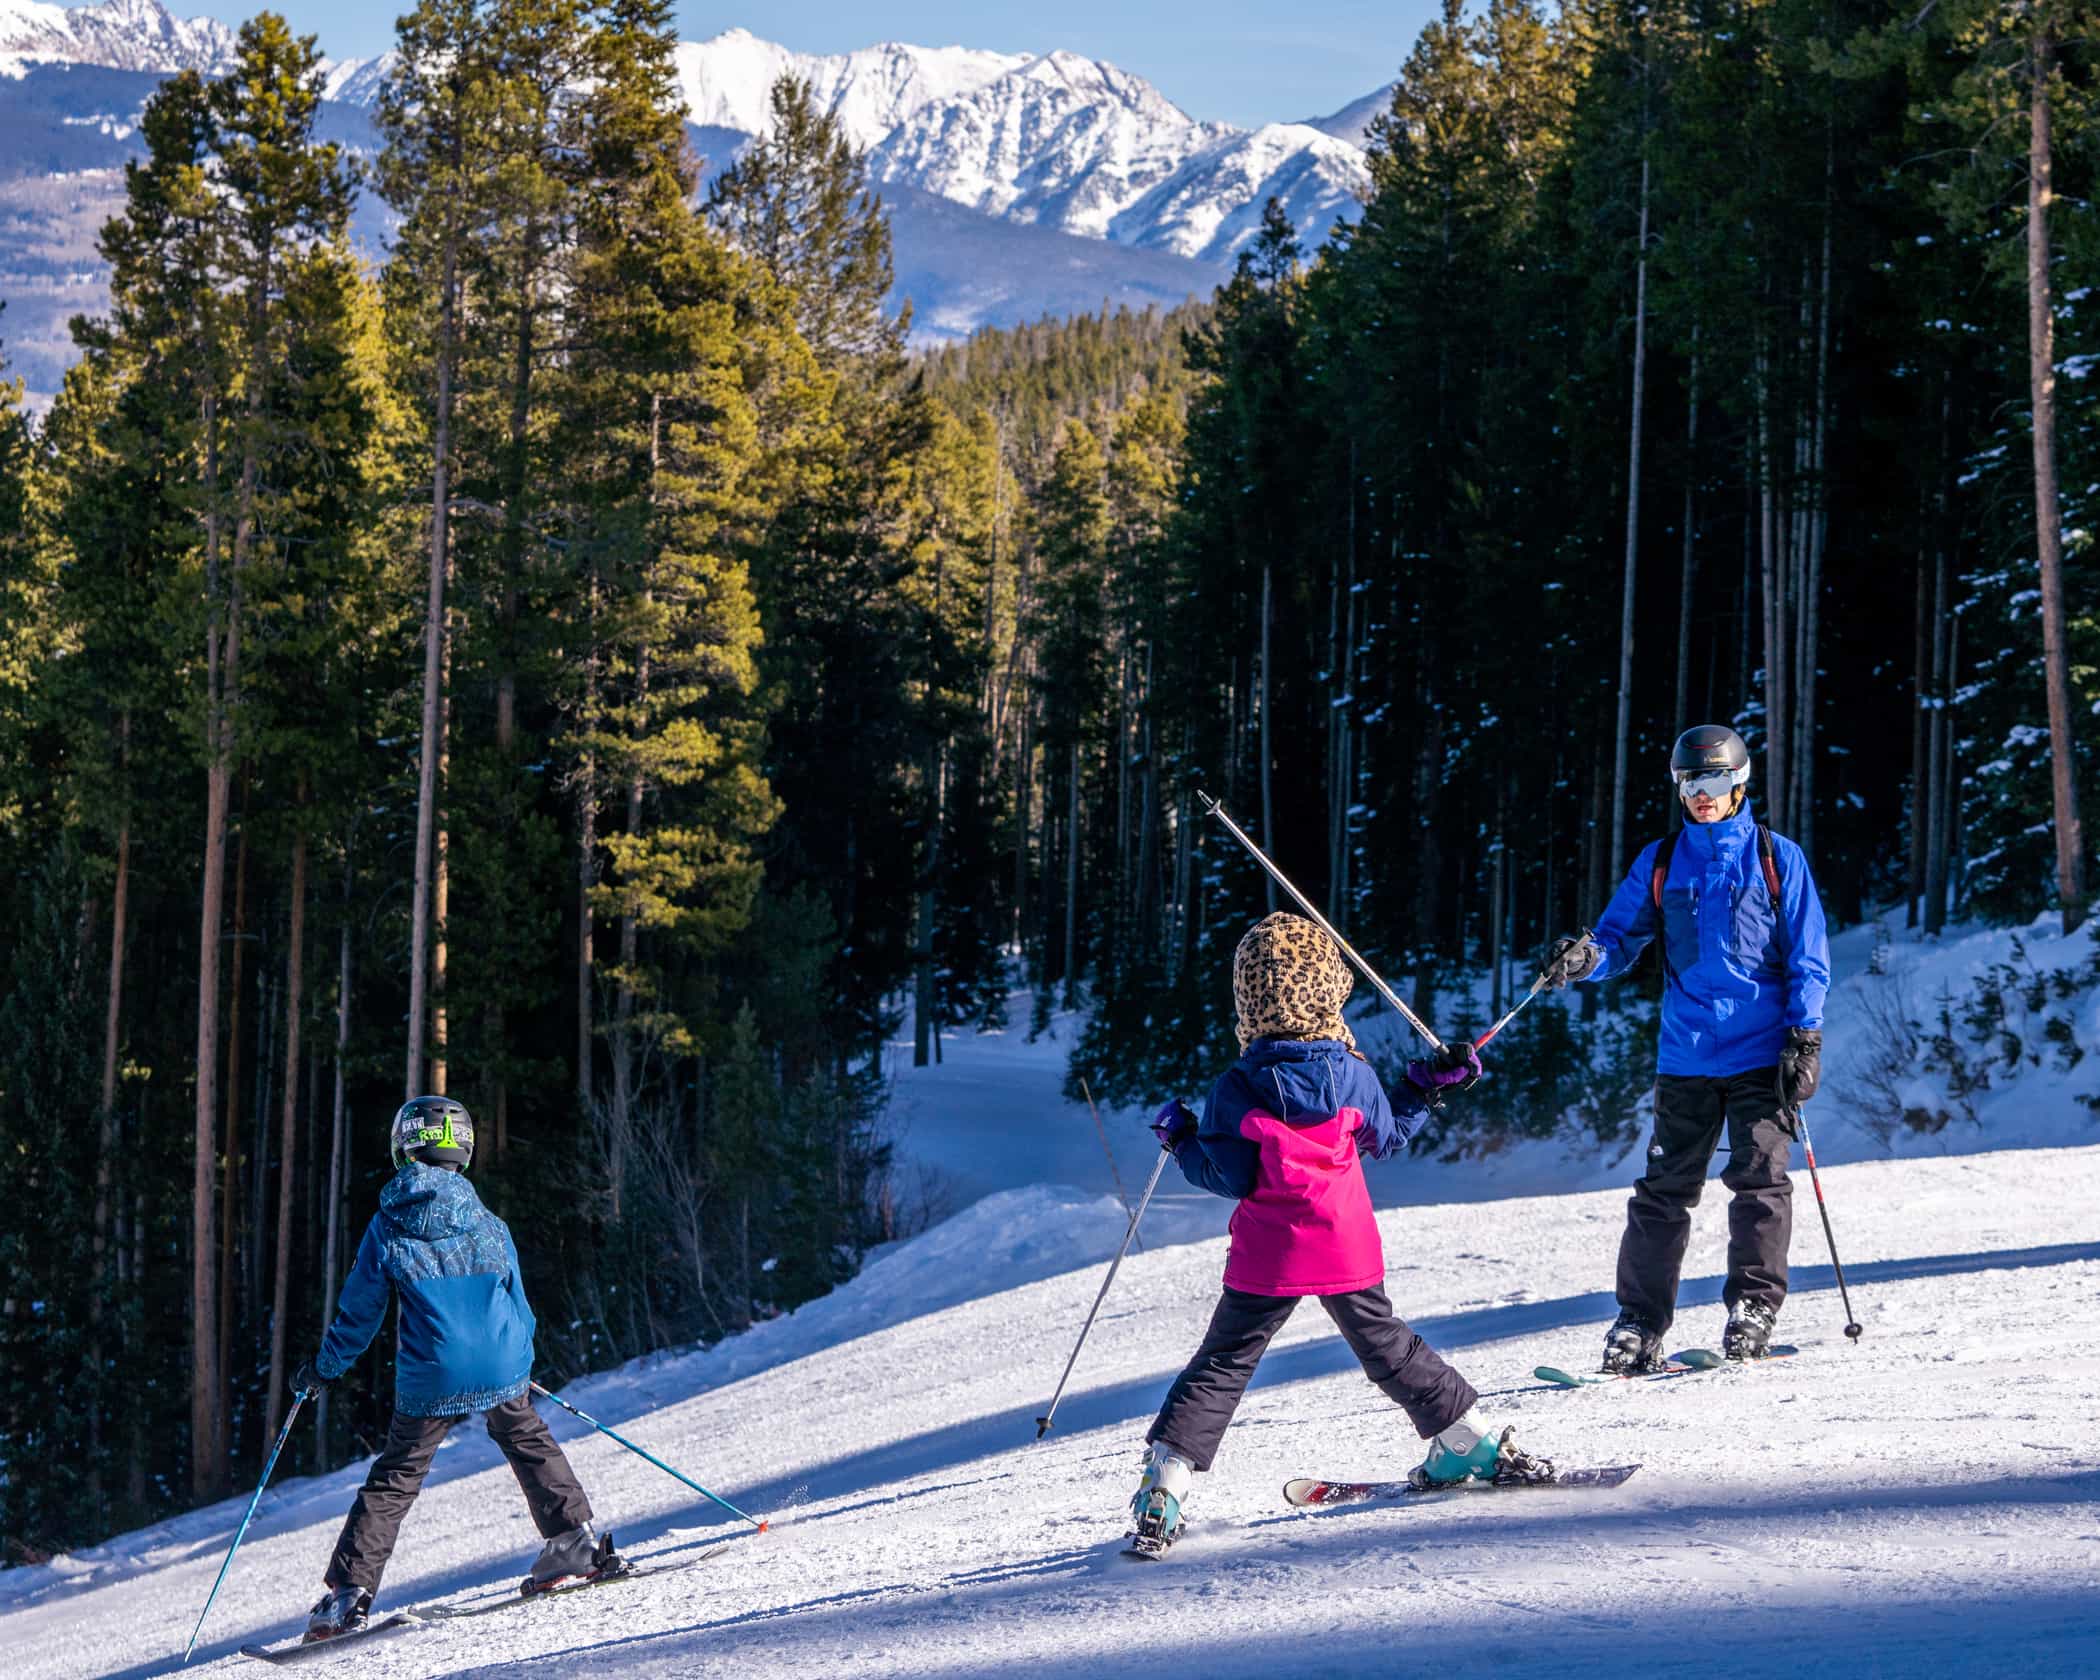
x=1800, y=1066
x=308, y=1379
x=1573, y=957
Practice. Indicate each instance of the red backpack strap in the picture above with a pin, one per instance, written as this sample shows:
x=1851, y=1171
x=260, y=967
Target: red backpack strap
x=1768, y=856
x=1659, y=876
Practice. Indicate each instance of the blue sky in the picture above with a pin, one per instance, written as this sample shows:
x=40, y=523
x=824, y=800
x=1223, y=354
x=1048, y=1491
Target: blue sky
x=1242, y=61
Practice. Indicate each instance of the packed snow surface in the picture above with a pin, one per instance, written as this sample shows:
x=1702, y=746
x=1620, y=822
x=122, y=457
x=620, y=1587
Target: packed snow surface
x=1925, y=1503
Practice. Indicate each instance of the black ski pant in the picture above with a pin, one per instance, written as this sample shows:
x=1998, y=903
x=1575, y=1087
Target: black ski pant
x=1207, y=1393
x=551, y=1489
x=1690, y=1114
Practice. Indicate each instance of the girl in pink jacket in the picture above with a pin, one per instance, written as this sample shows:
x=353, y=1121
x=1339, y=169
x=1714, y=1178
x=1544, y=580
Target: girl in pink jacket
x=1283, y=1134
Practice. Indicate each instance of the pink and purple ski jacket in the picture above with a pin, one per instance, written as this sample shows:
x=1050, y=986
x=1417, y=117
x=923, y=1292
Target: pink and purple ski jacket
x=1282, y=1135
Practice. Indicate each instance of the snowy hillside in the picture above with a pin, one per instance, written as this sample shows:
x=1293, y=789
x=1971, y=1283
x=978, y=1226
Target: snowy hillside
x=1923, y=1504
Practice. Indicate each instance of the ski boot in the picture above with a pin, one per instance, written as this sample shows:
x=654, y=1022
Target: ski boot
x=1749, y=1330
x=1470, y=1451
x=1157, y=1504
x=341, y=1610
x=1631, y=1347
x=580, y=1555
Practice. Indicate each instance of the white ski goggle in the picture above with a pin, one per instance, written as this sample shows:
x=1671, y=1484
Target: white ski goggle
x=1712, y=784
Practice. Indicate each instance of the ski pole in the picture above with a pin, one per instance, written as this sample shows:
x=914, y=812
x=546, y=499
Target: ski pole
x=1213, y=808
x=1042, y=1424
x=641, y=1452
x=1852, y=1326
x=269, y=1464
x=1537, y=986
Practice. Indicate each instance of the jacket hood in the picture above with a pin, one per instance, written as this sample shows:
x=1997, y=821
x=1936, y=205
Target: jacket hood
x=428, y=1202
x=1304, y=1075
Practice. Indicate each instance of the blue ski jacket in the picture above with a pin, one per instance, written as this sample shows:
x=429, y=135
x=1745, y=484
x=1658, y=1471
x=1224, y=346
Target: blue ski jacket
x=465, y=1330
x=1736, y=974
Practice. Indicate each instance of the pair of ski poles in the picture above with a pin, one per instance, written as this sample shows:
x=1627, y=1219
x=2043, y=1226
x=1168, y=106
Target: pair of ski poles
x=1215, y=808
x=284, y=1434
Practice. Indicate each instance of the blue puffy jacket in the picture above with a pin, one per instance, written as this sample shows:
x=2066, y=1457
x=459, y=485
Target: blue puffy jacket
x=1736, y=975
x=465, y=1332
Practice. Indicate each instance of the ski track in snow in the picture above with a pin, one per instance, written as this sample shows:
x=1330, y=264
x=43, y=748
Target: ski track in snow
x=1926, y=1503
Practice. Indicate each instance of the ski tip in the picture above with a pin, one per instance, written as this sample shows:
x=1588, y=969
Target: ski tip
x=1554, y=1374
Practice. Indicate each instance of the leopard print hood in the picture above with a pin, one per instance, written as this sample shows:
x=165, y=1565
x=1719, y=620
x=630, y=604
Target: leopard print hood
x=1289, y=981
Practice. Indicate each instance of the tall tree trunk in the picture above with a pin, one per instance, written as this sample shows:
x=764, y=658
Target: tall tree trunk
x=1920, y=778
x=338, y=1143
x=1770, y=544
x=1936, y=846
x=1688, y=568
x=230, y=1158
x=207, y=1439
x=441, y=877
x=106, y=1126
x=1072, y=886
x=433, y=673
x=1623, y=735
x=1818, y=528
x=287, y=1151
x=1268, y=801
x=2048, y=507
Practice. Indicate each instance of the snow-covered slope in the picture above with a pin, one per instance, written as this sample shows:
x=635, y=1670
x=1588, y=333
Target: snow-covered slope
x=1923, y=1504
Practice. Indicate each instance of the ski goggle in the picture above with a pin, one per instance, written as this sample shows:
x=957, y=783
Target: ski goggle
x=1711, y=784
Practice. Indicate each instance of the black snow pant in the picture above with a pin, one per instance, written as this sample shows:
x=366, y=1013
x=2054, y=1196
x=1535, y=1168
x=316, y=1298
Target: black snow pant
x=1207, y=1393
x=1690, y=1113
x=551, y=1489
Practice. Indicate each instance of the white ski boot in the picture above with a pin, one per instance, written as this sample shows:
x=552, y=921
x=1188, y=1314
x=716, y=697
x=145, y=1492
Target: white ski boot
x=1749, y=1330
x=1157, y=1504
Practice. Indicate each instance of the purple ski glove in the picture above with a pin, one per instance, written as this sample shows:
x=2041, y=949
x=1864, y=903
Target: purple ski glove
x=1457, y=1064
x=1173, y=1125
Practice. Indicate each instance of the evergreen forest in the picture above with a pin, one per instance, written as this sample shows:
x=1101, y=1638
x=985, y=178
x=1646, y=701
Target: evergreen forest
x=590, y=660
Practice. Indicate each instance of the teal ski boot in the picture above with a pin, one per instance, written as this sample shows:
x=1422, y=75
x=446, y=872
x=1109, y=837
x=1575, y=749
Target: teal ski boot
x=1156, y=1506
x=1469, y=1451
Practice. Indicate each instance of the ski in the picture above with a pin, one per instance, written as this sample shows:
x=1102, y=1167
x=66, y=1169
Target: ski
x=455, y=1612
x=1307, y=1491
x=1705, y=1359
x=1685, y=1364
x=298, y=1652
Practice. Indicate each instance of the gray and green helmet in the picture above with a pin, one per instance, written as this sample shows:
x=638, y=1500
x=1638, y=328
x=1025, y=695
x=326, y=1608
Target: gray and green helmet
x=434, y=1129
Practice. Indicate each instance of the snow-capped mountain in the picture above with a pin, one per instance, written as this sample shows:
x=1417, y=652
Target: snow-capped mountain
x=116, y=35
x=1353, y=121
x=1052, y=139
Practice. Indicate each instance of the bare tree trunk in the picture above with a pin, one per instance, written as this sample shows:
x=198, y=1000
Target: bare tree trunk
x=1688, y=569
x=2048, y=507
x=1268, y=802
x=1818, y=523
x=294, y=1003
x=433, y=673
x=338, y=1146
x=1770, y=542
x=1623, y=735
x=441, y=878
x=230, y=1158
x=1936, y=846
x=1072, y=887
x=1920, y=778
x=207, y=1438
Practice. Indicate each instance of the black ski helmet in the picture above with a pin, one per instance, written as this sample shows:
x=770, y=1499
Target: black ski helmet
x=434, y=1129
x=1706, y=747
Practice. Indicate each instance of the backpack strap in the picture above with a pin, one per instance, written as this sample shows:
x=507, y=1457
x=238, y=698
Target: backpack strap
x=1768, y=860
x=1659, y=876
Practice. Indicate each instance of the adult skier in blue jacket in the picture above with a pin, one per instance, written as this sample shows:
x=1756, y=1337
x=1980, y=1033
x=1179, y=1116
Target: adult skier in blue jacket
x=465, y=1333
x=1746, y=964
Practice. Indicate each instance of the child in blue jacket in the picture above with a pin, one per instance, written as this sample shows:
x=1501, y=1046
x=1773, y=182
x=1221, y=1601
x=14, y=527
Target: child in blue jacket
x=465, y=1345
